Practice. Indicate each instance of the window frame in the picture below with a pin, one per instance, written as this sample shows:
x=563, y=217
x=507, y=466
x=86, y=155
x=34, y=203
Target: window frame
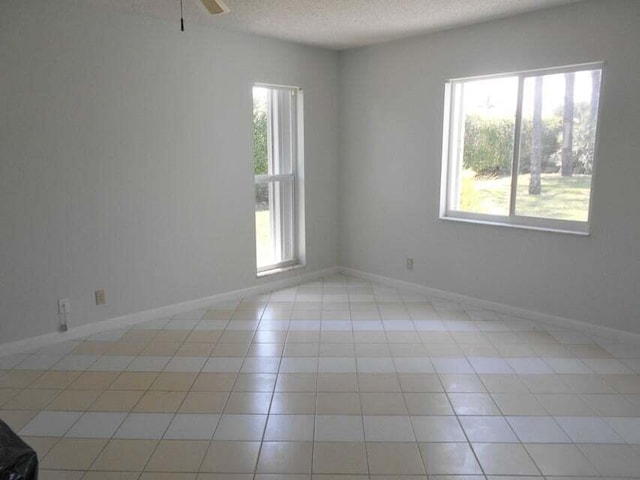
x=294, y=178
x=512, y=219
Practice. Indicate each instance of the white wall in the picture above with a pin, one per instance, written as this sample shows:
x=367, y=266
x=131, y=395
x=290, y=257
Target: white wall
x=126, y=160
x=391, y=101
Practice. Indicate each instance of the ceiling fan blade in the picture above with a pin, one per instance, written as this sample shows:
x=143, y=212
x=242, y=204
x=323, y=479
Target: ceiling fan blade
x=215, y=6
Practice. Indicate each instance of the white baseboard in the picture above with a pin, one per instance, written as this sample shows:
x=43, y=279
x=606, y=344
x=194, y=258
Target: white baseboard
x=82, y=331
x=551, y=320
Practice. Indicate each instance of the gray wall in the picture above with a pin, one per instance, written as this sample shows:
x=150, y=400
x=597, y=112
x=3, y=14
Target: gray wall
x=126, y=160
x=391, y=101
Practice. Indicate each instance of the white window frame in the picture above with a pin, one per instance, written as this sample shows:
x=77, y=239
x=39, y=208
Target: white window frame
x=450, y=168
x=294, y=137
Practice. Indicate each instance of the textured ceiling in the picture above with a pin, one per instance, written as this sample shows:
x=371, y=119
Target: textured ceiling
x=336, y=24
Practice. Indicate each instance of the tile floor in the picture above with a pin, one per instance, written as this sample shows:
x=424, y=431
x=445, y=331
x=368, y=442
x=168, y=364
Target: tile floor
x=335, y=379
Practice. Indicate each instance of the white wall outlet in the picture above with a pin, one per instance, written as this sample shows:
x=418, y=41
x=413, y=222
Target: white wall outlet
x=409, y=263
x=64, y=306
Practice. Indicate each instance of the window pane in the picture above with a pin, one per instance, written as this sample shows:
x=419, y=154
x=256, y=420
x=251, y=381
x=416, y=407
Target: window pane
x=260, y=131
x=557, y=140
x=274, y=223
x=482, y=141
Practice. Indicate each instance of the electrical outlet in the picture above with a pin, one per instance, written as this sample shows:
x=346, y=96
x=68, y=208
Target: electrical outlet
x=100, y=297
x=64, y=306
x=409, y=263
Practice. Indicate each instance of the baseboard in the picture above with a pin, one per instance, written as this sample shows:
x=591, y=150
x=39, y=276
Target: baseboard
x=81, y=331
x=551, y=320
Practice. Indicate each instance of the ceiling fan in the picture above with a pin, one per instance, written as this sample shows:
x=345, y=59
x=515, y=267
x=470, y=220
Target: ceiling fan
x=214, y=7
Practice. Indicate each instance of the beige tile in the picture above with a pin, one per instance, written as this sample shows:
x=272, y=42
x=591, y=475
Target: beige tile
x=214, y=382
x=420, y=382
x=55, y=379
x=116, y=401
x=74, y=400
x=94, y=380
x=174, y=382
x=19, y=378
x=462, y=383
x=383, y=404
x=214, y=314
x=293, y=403
x=204, y=336
x=167, y=476
x=504, y=384
x=449, y=459
x=296, y=382
x=248, y=402
x=161, y=349
x=394, y=458
x=301, y=350
x=125, y=455
x=588, y=351
x=565, y=404
x=126, y=347
x=623, y=383
x=428, y=404
x=73, y=454
x=194, y=349
x=581, y=384
x=378, y=382
x=31, y=399
x=204, y=402
x=140, y=335
x=337, y=350
x=285, y=457
x=337, y=382
x=255, y=382
x=17, y=419
x=133, y=381
x=231, y=457
x=60, y=474
x=547, y=383
x=7, y=394
x=340, y=457
x=518, y=404
x=473, y=404
x=172, y=336
x=177, y=456
x=158, y=402
x=236, y=336
x=230, y=350
x=504, y=459
x=90, y=347
x=42, y=445
x=338, y=404
x=613, y=460
x=560, y=460
x=111, y=476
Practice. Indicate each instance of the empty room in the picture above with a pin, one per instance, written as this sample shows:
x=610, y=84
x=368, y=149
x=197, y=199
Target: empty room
x=319, y=239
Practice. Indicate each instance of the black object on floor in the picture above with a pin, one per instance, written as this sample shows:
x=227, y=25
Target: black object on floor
x=18, y=461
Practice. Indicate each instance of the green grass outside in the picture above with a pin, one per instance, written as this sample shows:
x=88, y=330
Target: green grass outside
x=564, y=198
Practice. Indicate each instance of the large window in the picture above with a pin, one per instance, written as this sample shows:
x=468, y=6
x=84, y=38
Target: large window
x=519, y=149
x=277, y=120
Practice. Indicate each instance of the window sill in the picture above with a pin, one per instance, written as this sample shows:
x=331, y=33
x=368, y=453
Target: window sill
x=276, y=270
x=522, y=226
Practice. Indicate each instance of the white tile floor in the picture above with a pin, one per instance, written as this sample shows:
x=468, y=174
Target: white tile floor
x=335, y=379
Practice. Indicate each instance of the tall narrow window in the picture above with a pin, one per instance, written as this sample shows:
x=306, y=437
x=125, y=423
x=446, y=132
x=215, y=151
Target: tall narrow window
x=277, y=163
x=520, y=148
